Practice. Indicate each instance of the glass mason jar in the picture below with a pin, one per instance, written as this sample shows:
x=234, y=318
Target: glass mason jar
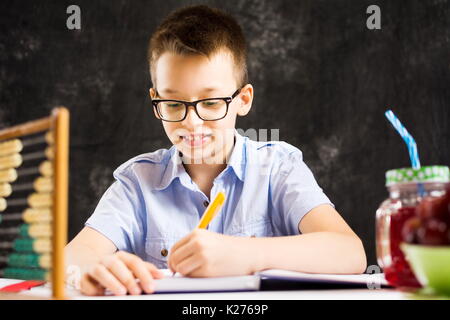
x=407, y=188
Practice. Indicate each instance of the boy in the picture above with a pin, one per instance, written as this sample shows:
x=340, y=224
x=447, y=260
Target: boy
x=275, y=214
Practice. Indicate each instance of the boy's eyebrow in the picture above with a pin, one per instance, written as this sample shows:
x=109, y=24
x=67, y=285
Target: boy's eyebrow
x=209, y=89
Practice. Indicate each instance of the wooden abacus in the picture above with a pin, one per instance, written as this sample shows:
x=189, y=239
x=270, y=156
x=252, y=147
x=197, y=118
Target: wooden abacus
x=34, y=200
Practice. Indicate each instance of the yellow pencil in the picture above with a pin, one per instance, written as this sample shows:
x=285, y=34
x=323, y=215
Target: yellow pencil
x=211, y=211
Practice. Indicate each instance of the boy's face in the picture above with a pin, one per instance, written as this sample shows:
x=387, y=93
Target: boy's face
x=196, y=77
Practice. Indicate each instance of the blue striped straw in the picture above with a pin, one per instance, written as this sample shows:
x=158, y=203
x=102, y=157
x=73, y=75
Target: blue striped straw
x=409, y=140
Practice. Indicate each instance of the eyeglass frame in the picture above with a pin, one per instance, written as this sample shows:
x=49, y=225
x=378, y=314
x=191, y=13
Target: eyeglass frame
x=227, y=100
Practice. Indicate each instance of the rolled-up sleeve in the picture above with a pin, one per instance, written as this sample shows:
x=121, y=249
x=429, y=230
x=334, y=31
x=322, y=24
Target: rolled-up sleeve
x=118, y=213
x=294, y=192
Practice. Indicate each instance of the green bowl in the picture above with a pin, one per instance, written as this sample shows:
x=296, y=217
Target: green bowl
x=431, y=266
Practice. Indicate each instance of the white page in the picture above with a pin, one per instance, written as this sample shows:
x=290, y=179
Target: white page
x=178, y=283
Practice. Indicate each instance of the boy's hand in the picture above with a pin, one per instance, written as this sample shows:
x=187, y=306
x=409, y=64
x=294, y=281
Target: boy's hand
x=118, y=273
x=204, y=253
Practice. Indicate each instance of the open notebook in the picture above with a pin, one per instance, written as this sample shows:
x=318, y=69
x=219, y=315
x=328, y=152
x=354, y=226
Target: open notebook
x=265, y=280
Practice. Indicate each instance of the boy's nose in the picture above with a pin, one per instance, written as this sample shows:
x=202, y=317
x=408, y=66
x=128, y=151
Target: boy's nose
x=192, y=119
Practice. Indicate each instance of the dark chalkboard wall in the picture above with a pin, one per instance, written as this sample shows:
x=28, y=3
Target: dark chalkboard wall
x=319, y=74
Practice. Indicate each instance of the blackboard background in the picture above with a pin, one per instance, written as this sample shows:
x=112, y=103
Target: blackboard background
x=320, y=76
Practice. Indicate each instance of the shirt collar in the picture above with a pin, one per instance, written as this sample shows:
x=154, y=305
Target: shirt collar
x=175, y=169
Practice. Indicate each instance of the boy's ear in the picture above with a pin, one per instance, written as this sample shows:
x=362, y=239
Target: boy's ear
x=152, y=93
x=246, y=99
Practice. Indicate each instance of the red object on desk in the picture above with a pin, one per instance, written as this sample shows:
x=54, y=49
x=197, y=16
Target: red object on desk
x=24, y=285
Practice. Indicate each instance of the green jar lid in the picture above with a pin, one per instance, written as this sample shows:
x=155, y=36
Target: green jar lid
x=424, y=174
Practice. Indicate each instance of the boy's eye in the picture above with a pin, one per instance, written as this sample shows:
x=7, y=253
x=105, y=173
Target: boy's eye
x=210, y=103
x=174, y=105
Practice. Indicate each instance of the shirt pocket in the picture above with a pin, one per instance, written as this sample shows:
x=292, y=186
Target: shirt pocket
x=157, y=250
x=259, y=228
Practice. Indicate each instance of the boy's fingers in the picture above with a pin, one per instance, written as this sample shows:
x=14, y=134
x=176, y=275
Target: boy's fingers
x=181, y=254
x=90, y=287
x=189, y=265
x=102, y=275
x=122, y=271
x=137, y=266
x=156, y=273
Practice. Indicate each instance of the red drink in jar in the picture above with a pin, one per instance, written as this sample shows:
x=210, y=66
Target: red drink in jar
x=407, y=189
x=398, y=273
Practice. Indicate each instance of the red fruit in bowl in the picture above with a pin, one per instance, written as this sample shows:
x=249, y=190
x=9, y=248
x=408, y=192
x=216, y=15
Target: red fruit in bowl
x=433, y=232
x=447, y=196
x=431, y=207
x=409, y=230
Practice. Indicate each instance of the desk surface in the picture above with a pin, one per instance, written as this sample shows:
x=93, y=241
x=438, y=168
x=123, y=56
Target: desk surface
x=44, y=292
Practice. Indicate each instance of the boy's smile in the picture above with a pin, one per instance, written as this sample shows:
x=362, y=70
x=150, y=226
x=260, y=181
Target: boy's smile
x=196, y=77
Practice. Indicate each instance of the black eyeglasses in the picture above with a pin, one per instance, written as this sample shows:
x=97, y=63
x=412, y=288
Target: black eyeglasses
x=210, y=109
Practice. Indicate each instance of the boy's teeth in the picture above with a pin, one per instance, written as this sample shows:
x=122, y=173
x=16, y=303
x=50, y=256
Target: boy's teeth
x=195, y=138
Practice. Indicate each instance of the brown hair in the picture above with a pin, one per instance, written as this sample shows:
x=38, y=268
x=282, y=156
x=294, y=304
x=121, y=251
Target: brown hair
x=202, y=30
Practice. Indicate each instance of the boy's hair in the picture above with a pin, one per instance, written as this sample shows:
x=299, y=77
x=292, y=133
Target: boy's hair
x=201, y=30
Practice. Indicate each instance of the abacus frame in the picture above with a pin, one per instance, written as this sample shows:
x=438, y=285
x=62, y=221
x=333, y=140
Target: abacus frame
x=58, y=122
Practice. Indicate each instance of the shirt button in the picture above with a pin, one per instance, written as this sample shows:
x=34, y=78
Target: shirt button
x=164, y=252
x=205, y=203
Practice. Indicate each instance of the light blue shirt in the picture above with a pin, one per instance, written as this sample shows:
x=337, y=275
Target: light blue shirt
x=153, y=202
